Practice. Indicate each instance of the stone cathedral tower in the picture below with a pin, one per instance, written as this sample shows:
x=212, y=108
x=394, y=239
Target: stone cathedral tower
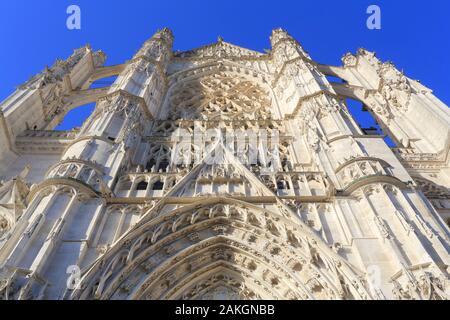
x=148, y=200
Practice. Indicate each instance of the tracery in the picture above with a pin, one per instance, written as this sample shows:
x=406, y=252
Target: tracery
x=220, y=96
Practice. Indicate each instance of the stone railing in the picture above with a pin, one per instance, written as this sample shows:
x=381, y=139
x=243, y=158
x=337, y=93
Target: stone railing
x=49, y=134
x=298, y=184
x=44, y=141
x=409, y=154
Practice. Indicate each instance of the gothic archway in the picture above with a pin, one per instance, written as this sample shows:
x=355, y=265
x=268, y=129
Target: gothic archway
x=241, y=249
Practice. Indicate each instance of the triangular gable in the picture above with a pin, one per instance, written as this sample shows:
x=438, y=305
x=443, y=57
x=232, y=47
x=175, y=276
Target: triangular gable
x=219, y=49
x=179, y=190
x=230, y=163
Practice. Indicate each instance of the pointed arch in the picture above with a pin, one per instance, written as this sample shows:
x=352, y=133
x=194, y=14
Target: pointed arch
x=158, y=253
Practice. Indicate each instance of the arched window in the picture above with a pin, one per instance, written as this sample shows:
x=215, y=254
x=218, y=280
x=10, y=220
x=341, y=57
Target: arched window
x=158, y=185
x=142, y=185
x=282, y=184
x=163, y=165
x=151, y=164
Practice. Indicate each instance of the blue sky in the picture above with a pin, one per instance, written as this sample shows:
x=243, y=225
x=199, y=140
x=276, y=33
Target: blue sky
x=414, y=34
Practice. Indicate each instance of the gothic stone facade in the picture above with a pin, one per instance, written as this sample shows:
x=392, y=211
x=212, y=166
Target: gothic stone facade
x=329, y=212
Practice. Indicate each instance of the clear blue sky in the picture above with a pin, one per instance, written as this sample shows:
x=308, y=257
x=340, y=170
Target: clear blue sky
x=415, y=35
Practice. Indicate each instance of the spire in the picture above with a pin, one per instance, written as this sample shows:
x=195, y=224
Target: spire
x=159, y=45
x=278, y=35
x=164, y=34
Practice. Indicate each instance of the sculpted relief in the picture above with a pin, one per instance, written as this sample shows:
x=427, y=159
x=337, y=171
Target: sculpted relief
x=395, y=87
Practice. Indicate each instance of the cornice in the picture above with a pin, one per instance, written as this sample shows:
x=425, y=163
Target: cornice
x=190, y=200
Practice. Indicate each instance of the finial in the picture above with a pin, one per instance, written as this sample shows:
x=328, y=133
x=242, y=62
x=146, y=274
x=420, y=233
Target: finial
x=277, y=35
x=25, y=172
x=219, y=39
x=164, y=33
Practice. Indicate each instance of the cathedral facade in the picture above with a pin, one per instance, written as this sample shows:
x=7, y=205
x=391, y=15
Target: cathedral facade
x=224, y=173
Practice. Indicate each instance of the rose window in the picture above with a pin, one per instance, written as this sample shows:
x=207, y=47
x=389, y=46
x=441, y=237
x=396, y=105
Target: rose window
x=220, y=96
